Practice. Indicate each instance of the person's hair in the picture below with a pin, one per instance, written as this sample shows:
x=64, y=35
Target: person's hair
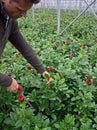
x=31, y=1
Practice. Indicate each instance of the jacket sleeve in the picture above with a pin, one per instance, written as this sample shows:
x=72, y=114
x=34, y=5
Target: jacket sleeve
x=5, y=81
x=26, y=50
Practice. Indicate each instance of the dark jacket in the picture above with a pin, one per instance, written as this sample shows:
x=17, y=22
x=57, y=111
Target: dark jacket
x=9, y=31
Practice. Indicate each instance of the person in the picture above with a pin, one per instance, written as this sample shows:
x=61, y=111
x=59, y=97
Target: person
x=10, y=11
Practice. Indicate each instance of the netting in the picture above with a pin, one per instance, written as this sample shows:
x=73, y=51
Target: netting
x=66, y=4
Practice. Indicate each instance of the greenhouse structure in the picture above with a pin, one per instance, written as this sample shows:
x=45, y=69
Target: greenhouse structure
x=82, y=6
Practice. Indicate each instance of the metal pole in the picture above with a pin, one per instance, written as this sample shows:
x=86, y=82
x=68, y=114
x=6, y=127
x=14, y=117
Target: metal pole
x=80, y=5
x=78, y=16
x=69, y=6
x=33, y=14
x=58, y=15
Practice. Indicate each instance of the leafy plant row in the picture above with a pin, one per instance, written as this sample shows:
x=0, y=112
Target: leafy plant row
x=69, y=102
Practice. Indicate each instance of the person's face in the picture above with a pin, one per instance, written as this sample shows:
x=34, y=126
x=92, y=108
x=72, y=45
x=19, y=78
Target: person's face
x=16, y=10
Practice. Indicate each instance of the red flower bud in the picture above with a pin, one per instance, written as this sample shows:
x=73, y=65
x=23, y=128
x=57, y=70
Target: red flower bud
x=71, y=56
x=17, y=54
x=29, y=67
x=95, y=40
x=88, y=77
x=0, y=61
x=21, y=98
x=89, y=82
x=84, y=46
x=51, y=69
x=35, y=73
x=66, y=43
x=9, y=74
x=19, y=89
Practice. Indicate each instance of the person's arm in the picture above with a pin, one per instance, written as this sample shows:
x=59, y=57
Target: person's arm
x=26, y=50
x=5, y=80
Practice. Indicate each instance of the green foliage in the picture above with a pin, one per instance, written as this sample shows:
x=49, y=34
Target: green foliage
x=67, y=123
x=68, y=103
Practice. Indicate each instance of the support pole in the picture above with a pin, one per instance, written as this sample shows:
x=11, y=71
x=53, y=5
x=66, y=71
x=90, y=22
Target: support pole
x=33, y=14
x=58, y=15
x=80, y=5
